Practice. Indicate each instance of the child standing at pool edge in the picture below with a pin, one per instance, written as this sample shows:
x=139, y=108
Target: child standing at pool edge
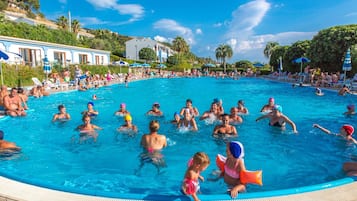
x=190, y=185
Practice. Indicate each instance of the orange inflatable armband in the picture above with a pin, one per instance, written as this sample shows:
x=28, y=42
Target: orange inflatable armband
x=220, y=161
x=251, y=177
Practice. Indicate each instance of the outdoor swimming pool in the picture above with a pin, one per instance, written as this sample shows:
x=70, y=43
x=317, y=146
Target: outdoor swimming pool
x=108, y=167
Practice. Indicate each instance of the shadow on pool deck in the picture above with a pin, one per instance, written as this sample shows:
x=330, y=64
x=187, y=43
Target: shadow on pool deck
x=11, y=190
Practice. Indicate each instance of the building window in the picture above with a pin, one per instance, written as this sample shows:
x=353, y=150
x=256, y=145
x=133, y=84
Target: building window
x=83, y=58
x=31, y=57
x=102, y=60
x=60, y=58
x=97, y=60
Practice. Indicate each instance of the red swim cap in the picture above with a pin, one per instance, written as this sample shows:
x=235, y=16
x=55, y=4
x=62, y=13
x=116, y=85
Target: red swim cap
x=349, y=129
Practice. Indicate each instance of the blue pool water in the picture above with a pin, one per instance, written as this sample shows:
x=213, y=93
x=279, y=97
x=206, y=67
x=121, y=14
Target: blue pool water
x=109, y=166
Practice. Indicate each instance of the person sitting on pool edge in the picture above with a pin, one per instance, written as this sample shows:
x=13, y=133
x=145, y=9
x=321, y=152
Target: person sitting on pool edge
x=128, y=126
x=12, y=103
x=152, y=145
x=278, y=119
x=155, y=110
x=7, y=146
x=346, y=132
x=62, y=115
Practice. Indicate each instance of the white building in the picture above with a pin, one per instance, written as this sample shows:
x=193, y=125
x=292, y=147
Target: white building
x=33, y=53
x=133, y=46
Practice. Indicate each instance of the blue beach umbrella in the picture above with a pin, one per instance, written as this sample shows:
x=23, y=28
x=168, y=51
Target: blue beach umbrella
x=135, y=65
x=301, y=60
x=209, y=65
x=161, y=66
x=145, y=65
x=258, y=65
x=347, y=65
x=3, y=56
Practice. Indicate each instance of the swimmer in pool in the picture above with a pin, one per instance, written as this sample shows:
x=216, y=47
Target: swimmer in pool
x=122, y=110
x=193, y=110
x=6, y=146
x=90, y=110
x=188, y=121
x=128, y=125
x=225, y=129
x=278, y=119
x=213, y=113
x=234, y=117
x=241, y=108
x=176, y=119
x=62, y=115
x=350, y=110
x=87, y=129
x=152, y=145
x=346, y=131
x=155, y=110
x=268, y=107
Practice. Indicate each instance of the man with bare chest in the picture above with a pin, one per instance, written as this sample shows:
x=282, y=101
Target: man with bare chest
x=12, y=104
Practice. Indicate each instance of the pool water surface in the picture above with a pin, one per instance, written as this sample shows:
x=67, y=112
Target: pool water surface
x=50, y=158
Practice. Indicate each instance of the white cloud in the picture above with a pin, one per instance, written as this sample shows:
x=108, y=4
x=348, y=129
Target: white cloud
x=85, y=21
x=217, y=24
x=161, y=39
x=279, y=5
x=172, y=27
x=135, y=10
x=351, y=14
x=199, y=31
x=253, y=47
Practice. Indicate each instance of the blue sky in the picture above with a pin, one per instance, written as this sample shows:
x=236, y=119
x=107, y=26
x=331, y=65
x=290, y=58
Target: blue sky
x=246, y=25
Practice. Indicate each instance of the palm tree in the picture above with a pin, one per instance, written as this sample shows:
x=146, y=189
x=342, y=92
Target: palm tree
x=269, y=48
x=76, y=26
x=222, y=52
x=180, y=46
x=62, y=22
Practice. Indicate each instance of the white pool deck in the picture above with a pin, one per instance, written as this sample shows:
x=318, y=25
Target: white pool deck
x=11, y=190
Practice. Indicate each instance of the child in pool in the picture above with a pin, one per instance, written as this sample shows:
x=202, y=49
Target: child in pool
x=190, y=185
x=233, y=165
x=346, y=132
x=350, y=110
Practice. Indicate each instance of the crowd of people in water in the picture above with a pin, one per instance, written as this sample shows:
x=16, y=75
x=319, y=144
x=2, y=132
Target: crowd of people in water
x=13, y=103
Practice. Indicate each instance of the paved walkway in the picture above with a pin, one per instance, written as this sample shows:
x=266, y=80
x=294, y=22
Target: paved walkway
x=11, y=190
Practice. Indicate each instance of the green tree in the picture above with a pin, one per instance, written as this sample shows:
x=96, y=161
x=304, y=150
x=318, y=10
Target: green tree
x=269, y=48
x=180, y=46
x=296, y=50
x=244, y=64
x=62, y=22
x=279, y=51
x=328, y=47
x=147, y=54
x=223, y=52
x=3, y=5
x=75, y=26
